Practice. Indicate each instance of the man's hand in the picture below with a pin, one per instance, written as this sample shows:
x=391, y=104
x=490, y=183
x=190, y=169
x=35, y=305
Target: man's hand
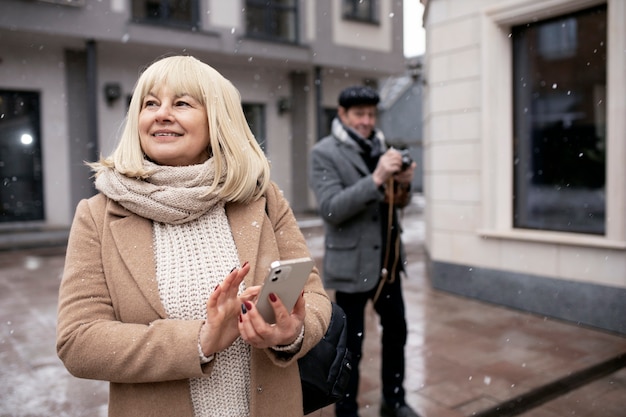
x=406, y=176
x=390, y=164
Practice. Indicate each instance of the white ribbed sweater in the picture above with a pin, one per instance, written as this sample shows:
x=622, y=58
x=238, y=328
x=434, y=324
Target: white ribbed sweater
x=191, y=259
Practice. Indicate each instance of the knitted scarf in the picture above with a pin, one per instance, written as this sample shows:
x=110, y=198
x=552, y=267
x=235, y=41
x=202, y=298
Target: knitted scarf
x=171, y=195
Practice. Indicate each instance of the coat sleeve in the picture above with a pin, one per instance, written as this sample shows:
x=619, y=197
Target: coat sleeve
x=93, y=342
x=292, y=244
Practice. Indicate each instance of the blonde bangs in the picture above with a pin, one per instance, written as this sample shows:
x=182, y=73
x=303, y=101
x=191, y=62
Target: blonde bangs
x=183, y=74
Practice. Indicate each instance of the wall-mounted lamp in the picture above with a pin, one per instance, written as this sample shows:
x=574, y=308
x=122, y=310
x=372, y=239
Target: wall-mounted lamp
x=283, y=105
x=112, y=92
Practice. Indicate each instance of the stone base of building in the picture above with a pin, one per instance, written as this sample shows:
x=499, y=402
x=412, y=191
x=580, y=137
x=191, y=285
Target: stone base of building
x=586, y=304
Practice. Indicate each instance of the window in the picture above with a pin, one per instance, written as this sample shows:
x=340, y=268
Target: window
x=272, y=20
x=21, y=193
x=559, y=123
x=182, y=13
x=362, y=10
x=255, y=115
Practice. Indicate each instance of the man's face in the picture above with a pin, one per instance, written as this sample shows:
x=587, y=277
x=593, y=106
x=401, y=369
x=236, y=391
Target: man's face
x=361, y=119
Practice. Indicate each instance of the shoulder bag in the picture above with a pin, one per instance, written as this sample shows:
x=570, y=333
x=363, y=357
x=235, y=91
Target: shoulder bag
x=325, y=369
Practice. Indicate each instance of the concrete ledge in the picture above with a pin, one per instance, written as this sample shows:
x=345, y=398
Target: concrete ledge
x=29, y=239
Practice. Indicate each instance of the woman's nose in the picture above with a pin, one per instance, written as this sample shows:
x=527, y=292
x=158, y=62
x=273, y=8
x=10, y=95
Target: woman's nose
x=164, y=112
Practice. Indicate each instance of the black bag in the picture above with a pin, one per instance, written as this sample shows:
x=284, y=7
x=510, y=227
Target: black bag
x=325, y=370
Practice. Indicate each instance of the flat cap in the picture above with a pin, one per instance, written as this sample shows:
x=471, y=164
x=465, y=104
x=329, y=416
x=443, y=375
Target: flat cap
x=358, y=95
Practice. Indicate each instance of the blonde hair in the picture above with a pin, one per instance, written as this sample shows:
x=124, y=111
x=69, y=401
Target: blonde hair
x=233, y=147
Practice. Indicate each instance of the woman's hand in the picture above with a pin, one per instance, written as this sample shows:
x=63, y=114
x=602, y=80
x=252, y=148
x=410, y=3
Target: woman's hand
x=259, y=334
x=222, y=311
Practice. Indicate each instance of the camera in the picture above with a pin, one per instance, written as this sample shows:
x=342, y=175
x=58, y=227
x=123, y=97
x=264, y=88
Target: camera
x=406, y=159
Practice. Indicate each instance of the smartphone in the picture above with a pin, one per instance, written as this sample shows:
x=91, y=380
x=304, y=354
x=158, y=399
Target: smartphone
x=286, y=279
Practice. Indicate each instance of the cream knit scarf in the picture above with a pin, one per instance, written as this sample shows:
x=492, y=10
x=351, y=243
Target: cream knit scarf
x=171, y=195
x=194, y=251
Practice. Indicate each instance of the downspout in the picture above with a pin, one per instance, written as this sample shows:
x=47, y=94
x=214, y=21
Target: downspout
x=92, y=100
x=318, y=102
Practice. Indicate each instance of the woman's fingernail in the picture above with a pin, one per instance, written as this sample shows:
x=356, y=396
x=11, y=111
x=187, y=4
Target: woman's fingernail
x=272, y=297
x=240, y=319
x=247, y=305
x=243, y=309
x=233, y=270
x=216, y=287
x=244, y=264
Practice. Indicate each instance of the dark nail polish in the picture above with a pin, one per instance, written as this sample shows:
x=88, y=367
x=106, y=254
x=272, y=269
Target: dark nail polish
x=232, y=270
x=272, y=297
x=247, y=305
x=240, y=319
x=243, y=309
x=216, y=287
x=244, y=264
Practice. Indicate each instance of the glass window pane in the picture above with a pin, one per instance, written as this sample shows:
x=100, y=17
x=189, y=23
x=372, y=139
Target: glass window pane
x=560, y=123
x=21, y=193
x=180, y=11
x=359, y=9
x=166, y=11
x=255, y=115
x=274, y=20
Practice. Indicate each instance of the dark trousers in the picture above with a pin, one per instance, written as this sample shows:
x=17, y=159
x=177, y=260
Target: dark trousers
x=390, y=309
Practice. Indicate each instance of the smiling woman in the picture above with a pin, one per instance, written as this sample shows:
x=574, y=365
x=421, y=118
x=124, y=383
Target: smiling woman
x=164, y=265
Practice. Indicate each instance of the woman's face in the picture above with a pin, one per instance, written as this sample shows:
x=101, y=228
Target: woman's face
x=173, y=130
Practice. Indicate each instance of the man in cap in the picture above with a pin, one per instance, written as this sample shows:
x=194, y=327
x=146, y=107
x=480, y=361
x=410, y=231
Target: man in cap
x=350, y=172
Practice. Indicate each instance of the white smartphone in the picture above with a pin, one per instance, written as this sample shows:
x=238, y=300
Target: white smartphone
x=286, y=279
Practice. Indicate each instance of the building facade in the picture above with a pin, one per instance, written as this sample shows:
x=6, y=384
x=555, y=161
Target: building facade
x=68, y=67
x=524, y=126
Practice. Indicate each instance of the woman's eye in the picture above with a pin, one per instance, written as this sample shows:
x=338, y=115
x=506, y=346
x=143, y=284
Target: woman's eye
x=149, y=103
x=182, y=103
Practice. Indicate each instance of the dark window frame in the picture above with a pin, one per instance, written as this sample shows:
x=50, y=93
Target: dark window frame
x=165, y=15
x=259, y=131
x=22, y=197
x=559, y=131
x=351, y=11
x=269, y=10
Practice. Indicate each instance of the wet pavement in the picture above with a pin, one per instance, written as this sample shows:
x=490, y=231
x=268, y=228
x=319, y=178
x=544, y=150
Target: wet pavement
x=464, y=357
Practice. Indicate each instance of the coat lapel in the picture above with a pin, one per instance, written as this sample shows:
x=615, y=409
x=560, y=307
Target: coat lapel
x=352, y=155
x=132, y=235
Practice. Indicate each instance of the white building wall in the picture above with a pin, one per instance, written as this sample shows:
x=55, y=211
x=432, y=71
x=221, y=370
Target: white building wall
x=467, y=147
x=356, y=35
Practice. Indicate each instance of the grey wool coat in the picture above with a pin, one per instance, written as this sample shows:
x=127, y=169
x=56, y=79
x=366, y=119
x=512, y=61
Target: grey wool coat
x=349, y=204
x=113, y=327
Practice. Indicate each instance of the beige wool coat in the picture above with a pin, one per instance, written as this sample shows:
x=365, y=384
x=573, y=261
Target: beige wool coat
x=113, y=327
